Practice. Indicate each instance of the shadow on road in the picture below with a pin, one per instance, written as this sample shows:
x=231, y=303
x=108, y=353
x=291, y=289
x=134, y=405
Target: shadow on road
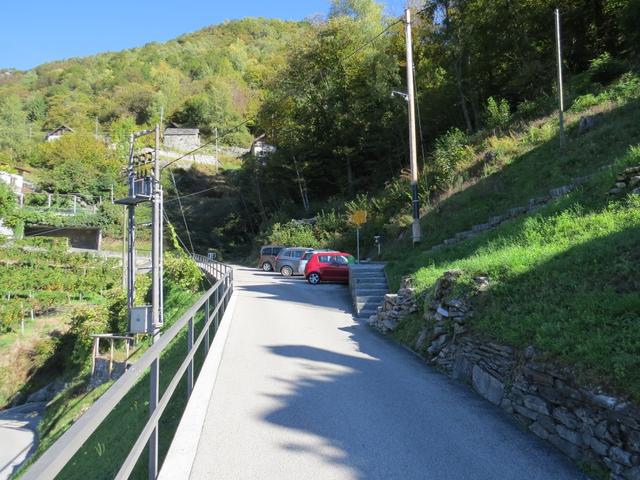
x=296, y=290
x=381, y=413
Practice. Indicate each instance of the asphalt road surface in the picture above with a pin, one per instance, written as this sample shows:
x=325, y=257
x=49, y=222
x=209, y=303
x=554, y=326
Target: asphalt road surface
x=18, y=436
x=306, y=392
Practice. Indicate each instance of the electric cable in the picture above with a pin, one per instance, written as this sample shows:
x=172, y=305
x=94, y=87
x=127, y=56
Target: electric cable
x=227, y=132
x=184, y=218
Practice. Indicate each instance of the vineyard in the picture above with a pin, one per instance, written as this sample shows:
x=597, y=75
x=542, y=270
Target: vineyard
x=38, y=274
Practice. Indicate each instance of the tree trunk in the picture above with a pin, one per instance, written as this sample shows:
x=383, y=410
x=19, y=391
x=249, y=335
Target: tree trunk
x=349, y=177
x=463, y=99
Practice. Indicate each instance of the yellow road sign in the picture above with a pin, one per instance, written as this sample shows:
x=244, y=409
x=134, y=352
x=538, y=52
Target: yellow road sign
x=359, y=217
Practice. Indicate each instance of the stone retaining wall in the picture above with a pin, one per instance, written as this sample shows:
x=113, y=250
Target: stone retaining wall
x=585, y=423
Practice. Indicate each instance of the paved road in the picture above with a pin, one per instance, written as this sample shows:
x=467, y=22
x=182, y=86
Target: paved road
x=305, y=392
x=17, y=435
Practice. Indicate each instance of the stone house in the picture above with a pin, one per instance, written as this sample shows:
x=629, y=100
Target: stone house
x=261, y=148
x=182, y=138
x=57, y=133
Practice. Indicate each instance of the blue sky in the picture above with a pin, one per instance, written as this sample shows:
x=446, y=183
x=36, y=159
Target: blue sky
x=34, y=31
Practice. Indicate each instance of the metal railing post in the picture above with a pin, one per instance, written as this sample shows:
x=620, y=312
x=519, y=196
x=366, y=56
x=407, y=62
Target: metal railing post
x=216, y=322
x=154, y=389
x=206, y=323
x=190, y=367
x=62, y=451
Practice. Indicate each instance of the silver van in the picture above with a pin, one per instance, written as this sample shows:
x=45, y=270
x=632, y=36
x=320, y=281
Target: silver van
x=288, y=261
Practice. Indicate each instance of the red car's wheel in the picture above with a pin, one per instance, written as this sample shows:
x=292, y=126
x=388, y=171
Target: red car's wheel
x=313, y=278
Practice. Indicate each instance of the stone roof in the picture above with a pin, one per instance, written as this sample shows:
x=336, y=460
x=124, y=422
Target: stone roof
x=182, y=131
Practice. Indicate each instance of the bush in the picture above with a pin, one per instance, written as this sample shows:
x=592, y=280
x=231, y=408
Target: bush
x=627, y=88
x=498, y=114
x=584, y=102
x=7, y=201
x=450, y=153
x=293, y=234
x=181, y=271
x=605, y=68
x=85, y=321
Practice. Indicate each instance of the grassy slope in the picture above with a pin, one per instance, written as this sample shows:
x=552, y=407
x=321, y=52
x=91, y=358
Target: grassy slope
x=565, y=279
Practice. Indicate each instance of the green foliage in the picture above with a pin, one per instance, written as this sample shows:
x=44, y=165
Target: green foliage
x=605, y=68
x=181, y=272
x=584, y=102
x=498, y=114
x=451, y=152
x=292, y=234
x=85, y=321
x=8, y=201
x=78, y=164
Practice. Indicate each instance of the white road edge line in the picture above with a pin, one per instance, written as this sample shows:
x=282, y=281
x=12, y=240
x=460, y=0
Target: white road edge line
x=182, y=452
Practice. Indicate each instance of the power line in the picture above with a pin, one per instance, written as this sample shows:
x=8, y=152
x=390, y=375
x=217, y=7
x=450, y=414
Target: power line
x=190, y=195
x=320, y=73
x=230, y=130
x=184, y=219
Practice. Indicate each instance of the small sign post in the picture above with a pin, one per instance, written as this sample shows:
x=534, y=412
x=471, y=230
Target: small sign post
x=358, y=218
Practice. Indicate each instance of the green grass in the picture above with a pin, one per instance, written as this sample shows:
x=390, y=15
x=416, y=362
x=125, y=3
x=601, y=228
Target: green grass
x=523, y=171
x=566, y=279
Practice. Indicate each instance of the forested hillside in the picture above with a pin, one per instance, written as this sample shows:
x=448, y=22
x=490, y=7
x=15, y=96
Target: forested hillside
x=212, y=78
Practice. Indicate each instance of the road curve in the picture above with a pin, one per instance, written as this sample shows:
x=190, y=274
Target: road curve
x=306, y=392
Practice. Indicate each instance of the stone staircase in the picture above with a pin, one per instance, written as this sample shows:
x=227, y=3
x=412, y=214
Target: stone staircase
x=368, y=285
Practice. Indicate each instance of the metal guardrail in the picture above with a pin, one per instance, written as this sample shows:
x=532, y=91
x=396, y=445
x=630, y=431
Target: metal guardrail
x=213, y=303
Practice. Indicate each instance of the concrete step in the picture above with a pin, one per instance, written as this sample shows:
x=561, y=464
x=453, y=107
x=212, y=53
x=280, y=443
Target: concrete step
x=365, y=292
x=366, y=280
x=366, y=313
x=367, y=305
x=366, y=273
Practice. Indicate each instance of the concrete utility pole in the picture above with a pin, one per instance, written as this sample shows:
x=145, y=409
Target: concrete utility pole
x=560, y=86
x=156, y=294
x=145, y=186
x=413, y=149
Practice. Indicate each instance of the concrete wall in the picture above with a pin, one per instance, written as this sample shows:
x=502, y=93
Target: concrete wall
x=182, y=142
x=89, y=238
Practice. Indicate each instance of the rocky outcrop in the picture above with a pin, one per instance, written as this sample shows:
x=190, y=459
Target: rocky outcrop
x=587, y=424
x=395, y=307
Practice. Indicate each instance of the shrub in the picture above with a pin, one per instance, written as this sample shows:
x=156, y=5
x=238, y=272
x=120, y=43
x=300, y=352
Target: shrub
x=605, y=68
x=498, y=113
x=7, y=201
x=584, y=102
x=293, y=234
x=627, y=88
x=450, y=153
x=86, y=320
x=181, y=271
x=541, y=134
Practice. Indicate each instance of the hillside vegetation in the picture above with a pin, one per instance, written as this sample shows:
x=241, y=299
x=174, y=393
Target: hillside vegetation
x=564, y=278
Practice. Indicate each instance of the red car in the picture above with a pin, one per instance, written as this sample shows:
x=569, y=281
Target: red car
x=328, y=267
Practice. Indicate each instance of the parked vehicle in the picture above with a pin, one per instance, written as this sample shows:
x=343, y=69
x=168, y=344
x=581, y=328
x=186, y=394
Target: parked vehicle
x=288, y=261
x=305, y=258
x=328, y=267
x=268, y=255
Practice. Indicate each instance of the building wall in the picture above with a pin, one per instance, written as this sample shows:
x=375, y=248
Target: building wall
x=182, y=142
x=15, y=182
x=89, y=238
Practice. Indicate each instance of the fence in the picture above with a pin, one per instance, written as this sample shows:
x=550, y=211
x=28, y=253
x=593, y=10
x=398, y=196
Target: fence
x=213, y=304
x=61, y=204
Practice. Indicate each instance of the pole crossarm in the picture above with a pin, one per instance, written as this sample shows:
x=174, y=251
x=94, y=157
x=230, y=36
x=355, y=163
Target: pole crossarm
x=51, y=463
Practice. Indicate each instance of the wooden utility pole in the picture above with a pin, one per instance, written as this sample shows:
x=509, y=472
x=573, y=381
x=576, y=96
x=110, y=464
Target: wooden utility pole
x=413, y=149
x=560, y=87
